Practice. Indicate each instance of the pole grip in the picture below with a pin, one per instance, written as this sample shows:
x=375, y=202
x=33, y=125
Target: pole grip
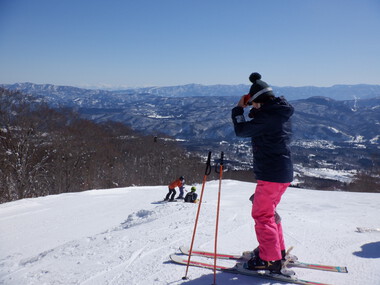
x=208, y=164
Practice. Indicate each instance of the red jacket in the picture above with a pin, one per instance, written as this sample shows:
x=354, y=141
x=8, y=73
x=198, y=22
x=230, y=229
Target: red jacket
x=176, y=183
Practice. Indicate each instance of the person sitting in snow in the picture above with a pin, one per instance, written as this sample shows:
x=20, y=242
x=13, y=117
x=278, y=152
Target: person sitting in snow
x=180, y=182
x=191, y=197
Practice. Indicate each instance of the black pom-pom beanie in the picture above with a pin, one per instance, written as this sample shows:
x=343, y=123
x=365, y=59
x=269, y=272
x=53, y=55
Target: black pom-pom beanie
x=260, y=90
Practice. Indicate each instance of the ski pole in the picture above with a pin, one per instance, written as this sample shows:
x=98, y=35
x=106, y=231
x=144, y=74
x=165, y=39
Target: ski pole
x=217, y=211
x=207, y=172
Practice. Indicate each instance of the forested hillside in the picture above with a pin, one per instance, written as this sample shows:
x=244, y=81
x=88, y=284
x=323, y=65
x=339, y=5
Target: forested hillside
x=45, y=151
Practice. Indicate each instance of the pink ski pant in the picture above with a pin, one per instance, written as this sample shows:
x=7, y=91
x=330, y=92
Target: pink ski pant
x=268, y=233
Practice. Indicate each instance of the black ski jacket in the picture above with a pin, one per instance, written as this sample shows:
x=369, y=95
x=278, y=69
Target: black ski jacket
x=191, y=197
x=270, y=131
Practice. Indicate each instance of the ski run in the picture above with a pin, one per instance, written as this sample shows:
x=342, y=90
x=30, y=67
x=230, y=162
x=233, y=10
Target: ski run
x=123, y=236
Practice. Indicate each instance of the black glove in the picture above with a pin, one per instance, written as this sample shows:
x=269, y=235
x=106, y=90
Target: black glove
x=237, y=111
x=237, y=115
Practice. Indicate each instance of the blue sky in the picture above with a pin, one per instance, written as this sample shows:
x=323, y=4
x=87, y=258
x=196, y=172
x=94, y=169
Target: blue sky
x=135, y=43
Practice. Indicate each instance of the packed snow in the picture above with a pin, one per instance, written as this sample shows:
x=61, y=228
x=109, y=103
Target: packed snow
x=125, y=235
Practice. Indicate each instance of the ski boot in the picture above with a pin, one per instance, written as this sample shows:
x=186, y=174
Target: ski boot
x=276, y=267
x=257, y=264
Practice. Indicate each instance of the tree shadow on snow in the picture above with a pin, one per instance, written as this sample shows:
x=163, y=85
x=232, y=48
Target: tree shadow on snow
x=369, y=250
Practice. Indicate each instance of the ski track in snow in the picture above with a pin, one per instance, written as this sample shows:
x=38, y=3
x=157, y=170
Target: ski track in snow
x=321, y=225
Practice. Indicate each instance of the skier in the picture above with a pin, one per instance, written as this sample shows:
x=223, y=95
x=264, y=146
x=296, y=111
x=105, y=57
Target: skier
x=270, y=132
x=191, y=197
x=176, y=183
x=181, y=192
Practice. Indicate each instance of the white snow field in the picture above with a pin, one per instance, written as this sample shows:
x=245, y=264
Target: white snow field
x=123, y=236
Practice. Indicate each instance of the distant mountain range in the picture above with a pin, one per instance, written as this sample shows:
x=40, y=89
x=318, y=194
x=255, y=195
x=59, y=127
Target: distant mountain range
x=67, y=93
x=337, y=92
x=196, y=112
x=341, y=134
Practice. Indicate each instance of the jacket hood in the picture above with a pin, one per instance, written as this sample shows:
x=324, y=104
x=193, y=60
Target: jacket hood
x=279, y=105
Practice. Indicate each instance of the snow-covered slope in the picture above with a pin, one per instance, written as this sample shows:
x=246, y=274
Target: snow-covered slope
x=123, y=236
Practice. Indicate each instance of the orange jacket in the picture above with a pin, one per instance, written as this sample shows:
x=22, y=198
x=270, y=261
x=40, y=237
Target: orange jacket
x=176, y=183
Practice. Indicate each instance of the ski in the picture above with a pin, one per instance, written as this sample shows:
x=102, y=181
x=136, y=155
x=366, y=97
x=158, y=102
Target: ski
x=166, y=201
x=291, y=263
x=239, y=269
